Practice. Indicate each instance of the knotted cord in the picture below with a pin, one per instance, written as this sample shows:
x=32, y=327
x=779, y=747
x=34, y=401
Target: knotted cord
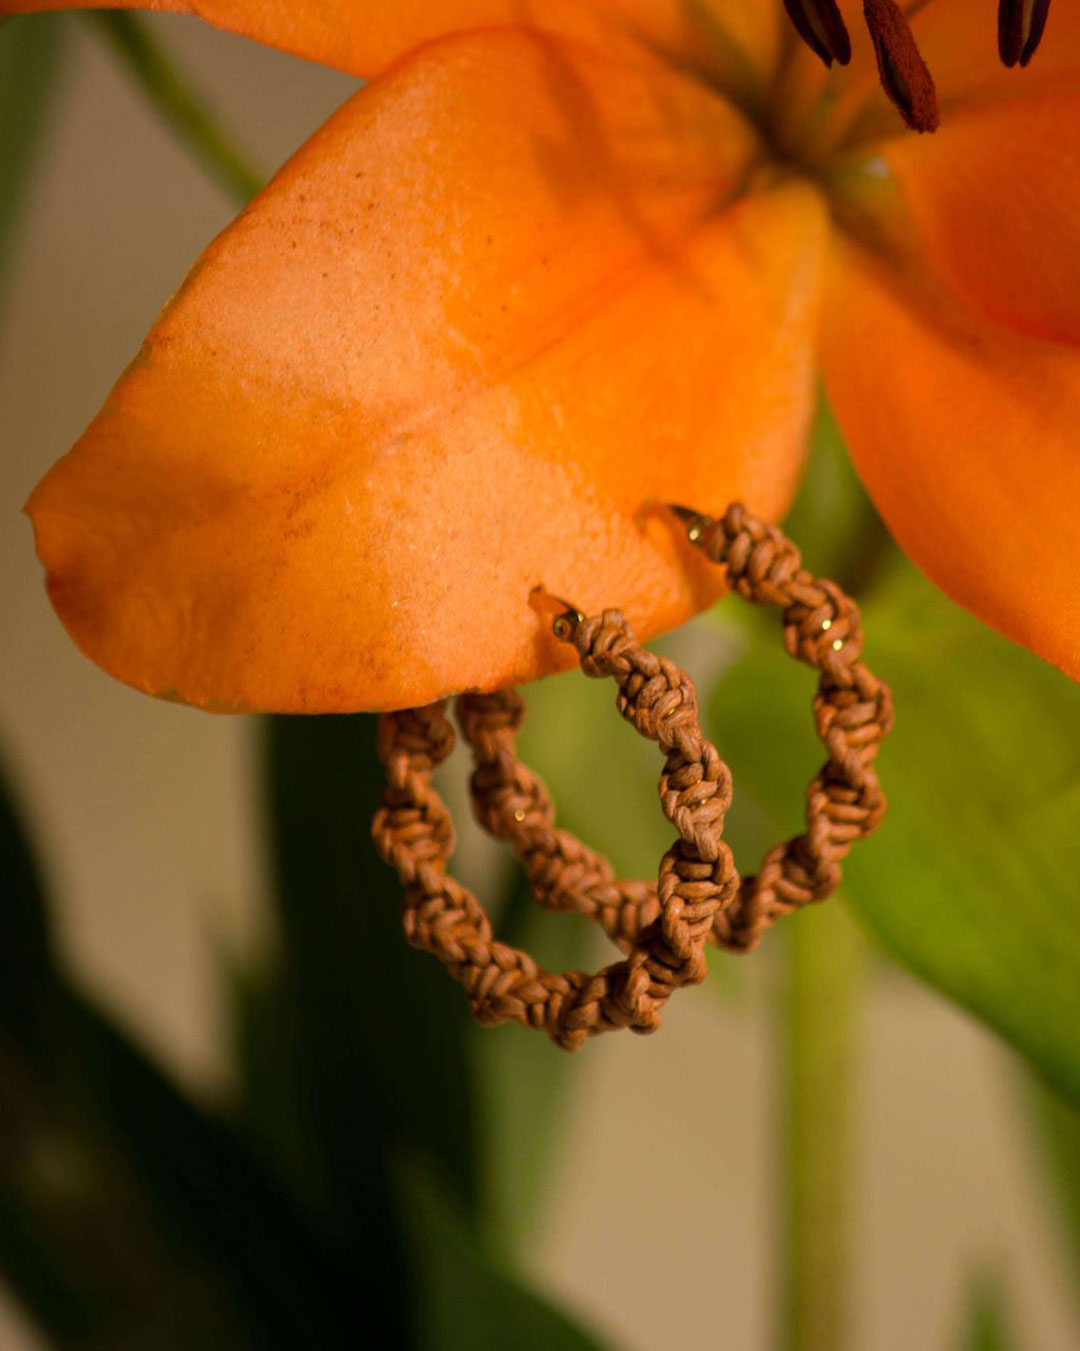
x=662, y=927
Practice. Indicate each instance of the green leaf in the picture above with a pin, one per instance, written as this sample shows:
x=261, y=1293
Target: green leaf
x=62, y=1299
x=382, y=1036
x=986, y=1323
x=524, y=1080
x=466, y=1301
x=211, y=1196
x=77, y=1241
x=27, y=985
x=832, y=519
x=39, y=1277
x=127, y=1209
x=30, y=50
x=1058, y=1126
x=169, y=91
x=600, y=774
x=971, y=880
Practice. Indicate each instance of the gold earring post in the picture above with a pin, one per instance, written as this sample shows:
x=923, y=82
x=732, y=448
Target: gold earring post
x=565, y=618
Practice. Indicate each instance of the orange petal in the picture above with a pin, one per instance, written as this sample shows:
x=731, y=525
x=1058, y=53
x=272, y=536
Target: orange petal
x=958, y=38
x=966, y=436
x=497, y=302
x=364, y=39
x=993, y=203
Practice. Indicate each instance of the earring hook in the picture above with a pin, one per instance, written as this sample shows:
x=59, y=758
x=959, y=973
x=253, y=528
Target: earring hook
x=696, y=522
x=565, y=618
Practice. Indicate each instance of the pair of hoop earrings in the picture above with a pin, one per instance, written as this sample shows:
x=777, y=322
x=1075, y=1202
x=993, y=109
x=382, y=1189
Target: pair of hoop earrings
x=699, y=897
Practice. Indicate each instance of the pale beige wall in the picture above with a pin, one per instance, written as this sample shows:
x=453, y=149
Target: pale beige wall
x=658, y=1222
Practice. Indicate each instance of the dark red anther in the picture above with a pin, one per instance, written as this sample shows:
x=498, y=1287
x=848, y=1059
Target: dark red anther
x=821, y=26
x=1020, y=29
x=904, y=74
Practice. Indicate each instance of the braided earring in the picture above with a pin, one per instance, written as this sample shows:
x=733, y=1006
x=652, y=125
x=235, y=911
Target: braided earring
x=662, y=927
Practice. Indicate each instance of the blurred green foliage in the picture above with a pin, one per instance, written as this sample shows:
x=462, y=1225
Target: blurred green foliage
x=335, y=1203
x=167, y=90
x=1057, y=1123
x=31, y=49
x=986, y=1325
x=970, y=881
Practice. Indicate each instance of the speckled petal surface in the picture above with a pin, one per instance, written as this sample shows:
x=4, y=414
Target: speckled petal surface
x=509, y=292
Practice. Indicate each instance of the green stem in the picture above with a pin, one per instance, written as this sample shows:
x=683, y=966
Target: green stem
x=168, y=90
x=823, y=961
x=30, y=59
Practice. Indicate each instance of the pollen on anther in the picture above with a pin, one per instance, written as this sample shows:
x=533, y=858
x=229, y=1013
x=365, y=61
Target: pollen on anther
x=904, y=74
x=826, y=625
x=838, y=643
x=519, y=815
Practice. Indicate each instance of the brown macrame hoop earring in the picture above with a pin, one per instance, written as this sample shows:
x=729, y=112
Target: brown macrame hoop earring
x=699, y=897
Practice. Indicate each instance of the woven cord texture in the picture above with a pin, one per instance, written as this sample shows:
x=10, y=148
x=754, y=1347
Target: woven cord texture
x=662, y=927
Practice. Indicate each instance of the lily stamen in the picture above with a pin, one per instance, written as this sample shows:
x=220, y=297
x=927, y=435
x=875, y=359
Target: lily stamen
x=1020, y=29
x=905, y=76
x=821, y=26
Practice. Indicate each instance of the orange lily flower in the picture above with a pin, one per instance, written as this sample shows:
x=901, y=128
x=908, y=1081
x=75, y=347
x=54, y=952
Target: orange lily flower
x=557, y=259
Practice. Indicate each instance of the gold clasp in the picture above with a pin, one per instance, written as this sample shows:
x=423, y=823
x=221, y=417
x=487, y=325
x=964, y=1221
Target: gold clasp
x=565, y=618
x=696, y=522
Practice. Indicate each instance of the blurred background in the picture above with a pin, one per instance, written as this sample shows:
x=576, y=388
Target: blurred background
x=814, y=1128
